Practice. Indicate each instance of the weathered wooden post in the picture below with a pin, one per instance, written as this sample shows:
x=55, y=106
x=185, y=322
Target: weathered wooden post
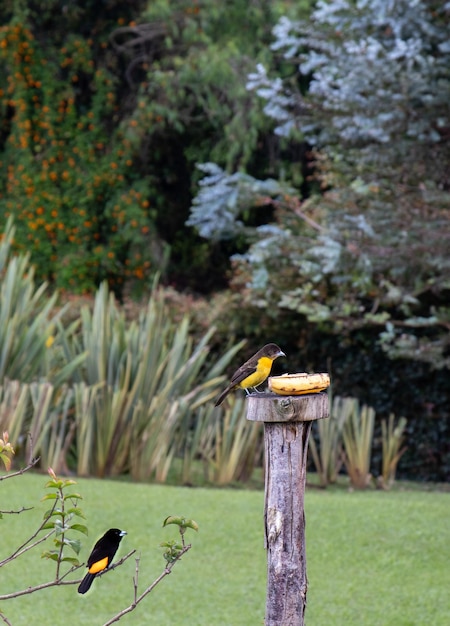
x=287, y=425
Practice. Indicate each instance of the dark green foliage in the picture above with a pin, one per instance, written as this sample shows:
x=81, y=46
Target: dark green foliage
x=372, y=249
x=104, y=113
x=365, y=257
x=359, y=368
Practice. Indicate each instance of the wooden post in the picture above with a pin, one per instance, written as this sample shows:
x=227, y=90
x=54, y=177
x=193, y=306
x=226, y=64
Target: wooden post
x=287, y=424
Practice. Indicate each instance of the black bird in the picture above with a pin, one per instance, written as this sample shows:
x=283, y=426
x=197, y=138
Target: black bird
x=101, y=556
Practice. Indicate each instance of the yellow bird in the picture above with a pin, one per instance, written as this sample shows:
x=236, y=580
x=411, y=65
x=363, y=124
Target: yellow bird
x=254, y=371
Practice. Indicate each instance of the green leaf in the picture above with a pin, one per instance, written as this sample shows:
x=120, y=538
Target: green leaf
x=54, y=484
x=50, y=555
x=81, y=528
x=173, y=520
x=51, y=513
x=50, y=496
x=76, y=511
x=75, y=544
x=71, y=559
x=182, y=522
x=190, y=523
x=75, y=496
x=69, y=482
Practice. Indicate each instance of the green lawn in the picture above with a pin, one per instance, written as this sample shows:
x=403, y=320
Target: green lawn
x=374, y=558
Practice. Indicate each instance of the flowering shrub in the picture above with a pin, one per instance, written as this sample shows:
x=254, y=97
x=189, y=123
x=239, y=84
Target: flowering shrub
x=66, y=172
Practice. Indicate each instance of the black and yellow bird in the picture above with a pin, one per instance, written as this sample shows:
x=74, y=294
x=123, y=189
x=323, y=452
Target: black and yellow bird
x=254, y=371
x=101, y=556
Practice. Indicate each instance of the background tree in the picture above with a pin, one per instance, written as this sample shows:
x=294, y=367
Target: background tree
x=377, y=114
x=103, y=115
x=365, y=86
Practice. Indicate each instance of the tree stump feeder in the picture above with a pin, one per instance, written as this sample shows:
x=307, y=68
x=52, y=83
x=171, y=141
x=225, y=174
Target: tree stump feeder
x=287, y=425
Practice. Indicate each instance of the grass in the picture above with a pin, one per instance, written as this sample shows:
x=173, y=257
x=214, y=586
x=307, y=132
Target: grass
x=374, y=558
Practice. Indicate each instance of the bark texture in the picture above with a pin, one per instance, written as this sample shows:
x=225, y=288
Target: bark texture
x=287, y=425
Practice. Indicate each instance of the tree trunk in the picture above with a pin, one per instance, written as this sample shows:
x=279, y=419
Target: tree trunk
x=287, y=425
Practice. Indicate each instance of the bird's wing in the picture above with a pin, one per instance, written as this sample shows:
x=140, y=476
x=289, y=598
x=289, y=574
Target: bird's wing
x=96, y=555
x=242, y=373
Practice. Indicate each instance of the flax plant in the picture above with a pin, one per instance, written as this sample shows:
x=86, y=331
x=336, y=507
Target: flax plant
x=26, y=317
x=142, y=382
x=55, y=441
x=392, y=439
x=40, y=414
x=172, y=397
x=194, y=433
x=14, y=398
x=357, y=435
x=233, y=445
x=328, y=456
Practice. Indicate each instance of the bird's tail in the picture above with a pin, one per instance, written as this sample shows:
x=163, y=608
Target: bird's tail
x=86, y=583
x=222, y=396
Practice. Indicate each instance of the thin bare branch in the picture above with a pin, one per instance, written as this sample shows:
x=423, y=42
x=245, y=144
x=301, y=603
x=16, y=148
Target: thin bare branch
x=24, y=547
x=61, y=581
x=24, y=508
x=138, y=599
x=136, y=578
x=51, y=583
x=21, y=550
x=29, y=466
x=117, y=564
x=5, y=619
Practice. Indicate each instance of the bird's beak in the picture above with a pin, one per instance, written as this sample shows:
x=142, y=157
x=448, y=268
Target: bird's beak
x=281, y=353
x=123, y=532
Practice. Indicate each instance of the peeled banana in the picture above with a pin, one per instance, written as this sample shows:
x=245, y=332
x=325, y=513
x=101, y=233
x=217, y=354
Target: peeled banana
x=298, y=384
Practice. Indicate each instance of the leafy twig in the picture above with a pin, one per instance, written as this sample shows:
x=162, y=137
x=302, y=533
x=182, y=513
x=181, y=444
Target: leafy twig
x=173, y=553
x=138, y=599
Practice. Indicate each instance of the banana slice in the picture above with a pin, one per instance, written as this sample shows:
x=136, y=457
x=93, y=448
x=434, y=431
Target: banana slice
x=298, y=384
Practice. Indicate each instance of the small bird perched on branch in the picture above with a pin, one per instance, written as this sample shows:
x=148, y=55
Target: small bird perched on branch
x=101, y=556
x=254, y=371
